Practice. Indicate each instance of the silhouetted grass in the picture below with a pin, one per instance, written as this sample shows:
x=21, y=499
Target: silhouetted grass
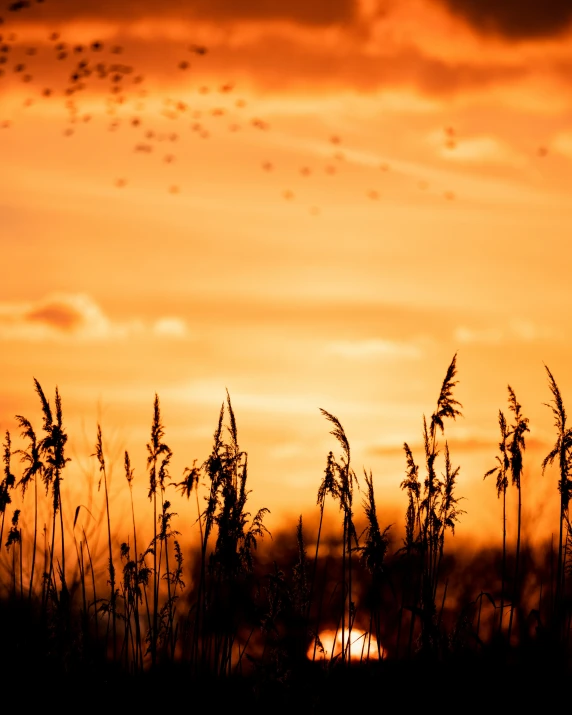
x=292, y=618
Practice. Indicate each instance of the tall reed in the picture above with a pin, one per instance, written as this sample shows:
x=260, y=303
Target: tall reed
x=501, y=471
x=137, y=597
x=7, y=483
x=52, y=451
x=344, y=492
x=516, y=447
x=112, y=603
x=373, y=553
x=158, y=457
x=563, y=451
x=327, y=486
x=431, y=511
x=32, y=472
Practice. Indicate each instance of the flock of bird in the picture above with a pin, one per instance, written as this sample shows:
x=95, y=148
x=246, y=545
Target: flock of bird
x=83, y=64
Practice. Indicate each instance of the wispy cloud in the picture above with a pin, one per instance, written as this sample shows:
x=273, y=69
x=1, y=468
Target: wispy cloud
x=518, y=330
x=481, y=149
x=73, y=317
x=170, y=328
x=374, y=348
x=562, y=144
x=487, y=336
x=467, y=444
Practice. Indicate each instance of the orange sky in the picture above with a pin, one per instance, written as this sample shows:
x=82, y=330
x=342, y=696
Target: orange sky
x=334, y=199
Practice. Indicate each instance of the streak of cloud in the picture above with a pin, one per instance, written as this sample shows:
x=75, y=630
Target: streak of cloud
x=471, y=443
x=75, y=317
x=321, y=45
x=518, y=331
x=318, y=12
x=373, y=349
x=481, y=149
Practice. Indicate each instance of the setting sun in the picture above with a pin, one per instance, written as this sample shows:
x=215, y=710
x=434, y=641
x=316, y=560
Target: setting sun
x=359, y=646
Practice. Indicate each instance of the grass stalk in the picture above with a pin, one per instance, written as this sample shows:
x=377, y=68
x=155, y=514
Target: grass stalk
x=112, y=607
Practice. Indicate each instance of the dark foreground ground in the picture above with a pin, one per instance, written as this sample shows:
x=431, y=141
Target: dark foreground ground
x=473, y=684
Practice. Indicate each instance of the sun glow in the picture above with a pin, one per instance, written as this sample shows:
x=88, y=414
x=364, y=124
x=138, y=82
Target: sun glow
x=361, y=645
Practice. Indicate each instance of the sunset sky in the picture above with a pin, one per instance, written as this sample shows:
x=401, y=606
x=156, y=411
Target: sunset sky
x=310, y=204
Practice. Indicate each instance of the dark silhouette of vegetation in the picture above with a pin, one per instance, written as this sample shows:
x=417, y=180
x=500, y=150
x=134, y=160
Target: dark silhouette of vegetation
x=293, y=616
x=501, y=472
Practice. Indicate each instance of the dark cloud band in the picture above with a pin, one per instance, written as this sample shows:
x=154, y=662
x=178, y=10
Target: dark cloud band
x=304, y=12
x=515, y=19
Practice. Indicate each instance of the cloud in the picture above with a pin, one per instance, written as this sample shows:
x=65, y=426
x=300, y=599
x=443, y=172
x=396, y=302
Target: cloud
x=61, y=316
x=56, y=316
x=283, y=45
x=514, y=19
x=468, y=444
x=316, y=12
x=201, y=392
x=487, y=336
x=482, y=149
x=75, y=316
x=426, y=49
x=373, y=348
x=517, y=331
x=562, y=144
x=170, y=328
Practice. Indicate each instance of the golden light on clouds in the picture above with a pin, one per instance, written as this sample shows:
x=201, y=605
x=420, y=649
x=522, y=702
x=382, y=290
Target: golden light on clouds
x=310, y=204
